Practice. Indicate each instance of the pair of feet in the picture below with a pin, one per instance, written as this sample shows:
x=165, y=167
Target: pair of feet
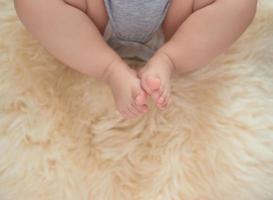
x=131, y=89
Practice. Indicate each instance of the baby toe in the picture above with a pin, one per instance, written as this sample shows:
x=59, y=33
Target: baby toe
x=141, y=109
x=156, y=95
x=141, y=99
x=153, y=82
x=145, y=86
x=165, y=105
x=162, y=91
x=161, y=100
x=144, y=108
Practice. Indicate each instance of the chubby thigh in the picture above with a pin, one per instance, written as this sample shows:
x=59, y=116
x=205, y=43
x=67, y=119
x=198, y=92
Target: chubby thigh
x=95, y=10
x=178, y=12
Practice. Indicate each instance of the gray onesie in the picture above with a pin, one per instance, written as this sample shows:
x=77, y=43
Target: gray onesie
x=134, y=27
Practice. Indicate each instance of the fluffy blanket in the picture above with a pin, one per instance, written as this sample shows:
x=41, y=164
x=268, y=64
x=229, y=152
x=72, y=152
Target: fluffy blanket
x=62, y=138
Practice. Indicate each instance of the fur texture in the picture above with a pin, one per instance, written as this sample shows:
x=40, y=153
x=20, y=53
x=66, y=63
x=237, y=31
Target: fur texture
x=62, y=138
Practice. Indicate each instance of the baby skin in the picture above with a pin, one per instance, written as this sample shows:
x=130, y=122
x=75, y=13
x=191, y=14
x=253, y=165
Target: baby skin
x=196, y=31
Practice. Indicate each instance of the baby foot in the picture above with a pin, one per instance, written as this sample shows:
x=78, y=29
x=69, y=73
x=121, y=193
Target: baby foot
x=129, y=97
x=155, y=79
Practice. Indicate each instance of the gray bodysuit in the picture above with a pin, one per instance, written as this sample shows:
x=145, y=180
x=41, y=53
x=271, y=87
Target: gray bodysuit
x=134, y=27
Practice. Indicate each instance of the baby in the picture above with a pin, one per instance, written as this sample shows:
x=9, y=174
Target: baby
x=93, y=37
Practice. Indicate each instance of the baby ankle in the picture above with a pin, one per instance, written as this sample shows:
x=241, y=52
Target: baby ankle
x=111, y=69
x=164, y=55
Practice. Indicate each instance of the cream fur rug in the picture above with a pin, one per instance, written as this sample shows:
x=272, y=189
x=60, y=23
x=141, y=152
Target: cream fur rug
x=61, y=137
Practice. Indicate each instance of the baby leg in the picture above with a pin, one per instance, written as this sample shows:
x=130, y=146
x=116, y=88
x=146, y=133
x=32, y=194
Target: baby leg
x=65, y=29
x=208, y=31
x=210, y=27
